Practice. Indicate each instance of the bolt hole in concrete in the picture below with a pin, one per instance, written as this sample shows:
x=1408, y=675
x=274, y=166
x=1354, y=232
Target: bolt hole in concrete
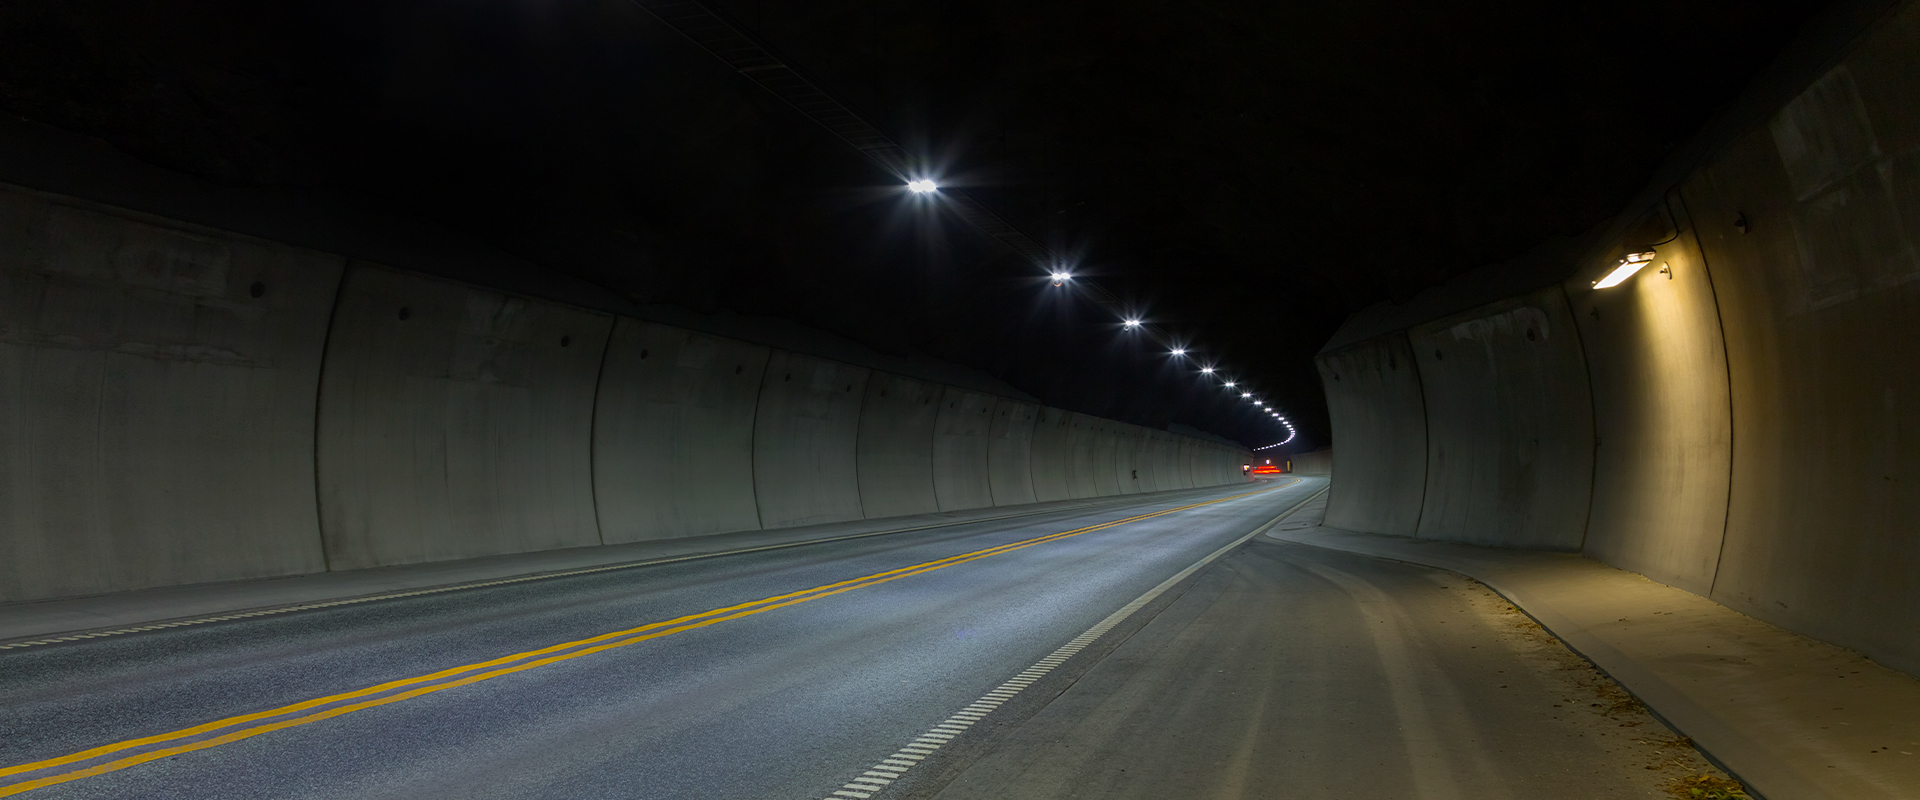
x=257, y=289
x=643, y=352
x=566, y=340
x=405, y=313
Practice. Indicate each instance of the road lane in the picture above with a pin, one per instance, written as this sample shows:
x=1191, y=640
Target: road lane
x=776, y=704
x=1290, y=671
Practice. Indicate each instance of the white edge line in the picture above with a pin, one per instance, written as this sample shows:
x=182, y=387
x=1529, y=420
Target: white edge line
x=1000, y=694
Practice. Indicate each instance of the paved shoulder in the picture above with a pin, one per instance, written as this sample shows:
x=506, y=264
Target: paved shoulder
x=1290, y=671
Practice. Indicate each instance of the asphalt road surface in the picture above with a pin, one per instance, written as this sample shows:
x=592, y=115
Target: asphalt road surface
x=1077, y=653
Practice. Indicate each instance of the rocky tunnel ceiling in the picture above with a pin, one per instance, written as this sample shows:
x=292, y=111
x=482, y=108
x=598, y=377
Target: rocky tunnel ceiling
x=1246, y=172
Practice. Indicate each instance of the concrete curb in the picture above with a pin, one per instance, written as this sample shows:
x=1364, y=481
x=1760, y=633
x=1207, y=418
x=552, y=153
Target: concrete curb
x=1686, y=658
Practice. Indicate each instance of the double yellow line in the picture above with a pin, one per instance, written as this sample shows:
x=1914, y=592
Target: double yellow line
x=332, y=705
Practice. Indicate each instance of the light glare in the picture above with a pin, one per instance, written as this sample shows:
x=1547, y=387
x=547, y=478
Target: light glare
x=1627, y=266
x=1132, y=323
x=921, y=186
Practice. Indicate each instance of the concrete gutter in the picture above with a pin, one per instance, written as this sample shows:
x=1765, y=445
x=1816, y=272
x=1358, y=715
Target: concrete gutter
x=1794, y=718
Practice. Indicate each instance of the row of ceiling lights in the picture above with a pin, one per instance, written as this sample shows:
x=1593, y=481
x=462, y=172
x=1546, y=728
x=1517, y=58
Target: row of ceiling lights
x=719, y=35
x=1061, y=277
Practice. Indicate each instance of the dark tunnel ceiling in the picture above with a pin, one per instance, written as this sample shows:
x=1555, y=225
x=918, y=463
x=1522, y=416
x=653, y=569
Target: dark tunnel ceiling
x=1249, y=172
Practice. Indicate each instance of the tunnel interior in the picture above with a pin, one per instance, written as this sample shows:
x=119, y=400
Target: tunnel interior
x=356, y=294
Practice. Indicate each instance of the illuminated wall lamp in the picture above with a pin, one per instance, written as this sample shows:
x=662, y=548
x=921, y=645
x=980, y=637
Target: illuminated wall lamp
x=1624, y=270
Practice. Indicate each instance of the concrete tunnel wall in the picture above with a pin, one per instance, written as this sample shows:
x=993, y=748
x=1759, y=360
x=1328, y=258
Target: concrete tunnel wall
x=1738, y=425
x=454, y=422
x=1316, y=462
x=180, y=404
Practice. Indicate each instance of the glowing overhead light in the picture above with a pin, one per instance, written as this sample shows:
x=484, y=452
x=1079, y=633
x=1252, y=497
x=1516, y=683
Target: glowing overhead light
x=921, y=186
x=1060, y=277
x=1179, y=351
x=1132, y=323
x=1206, y=370
x=1229, y=384
x=1246, y=394
x=1624, y=269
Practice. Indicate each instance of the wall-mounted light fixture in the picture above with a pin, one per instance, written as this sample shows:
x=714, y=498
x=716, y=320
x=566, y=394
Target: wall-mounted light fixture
x=1624, y=269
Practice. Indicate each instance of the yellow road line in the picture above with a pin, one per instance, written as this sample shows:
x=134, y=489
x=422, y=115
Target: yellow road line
x=626, y=637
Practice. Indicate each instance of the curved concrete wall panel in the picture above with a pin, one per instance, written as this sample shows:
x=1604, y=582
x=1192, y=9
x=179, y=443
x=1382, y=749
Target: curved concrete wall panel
x=1662, y=412
x=1374, y=399
x=804, y=464
x=1106, y=457
x=1320, y=462
x=1081, y=481
x=1820, y=302
x=156, y=401
x=1053, y=455
x=1137, y=450
x=1010, y=452
x=1509, y=426
x=673, y=433
x=895, y=450
x=1166, y=462
x=454, y=422
x=960, y=476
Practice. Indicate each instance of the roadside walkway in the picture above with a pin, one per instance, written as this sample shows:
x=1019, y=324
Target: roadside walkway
x=1795, y=718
